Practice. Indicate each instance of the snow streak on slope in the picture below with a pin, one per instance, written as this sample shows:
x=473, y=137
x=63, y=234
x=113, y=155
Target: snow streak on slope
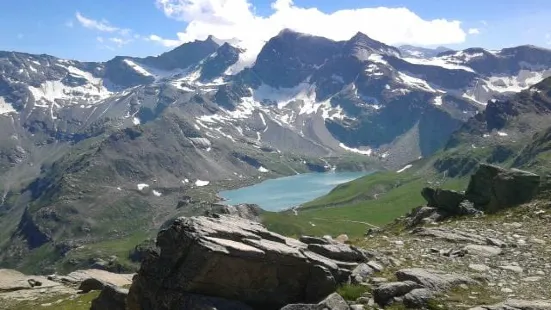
x=363, y=152
x=137, y=68
x=414, y=82
x=5, y=107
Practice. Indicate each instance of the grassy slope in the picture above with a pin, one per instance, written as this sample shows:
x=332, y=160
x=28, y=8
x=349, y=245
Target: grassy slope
x=63, y=302
x=348, y=209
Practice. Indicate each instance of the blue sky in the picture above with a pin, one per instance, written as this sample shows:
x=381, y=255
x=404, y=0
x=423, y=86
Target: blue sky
x=101, y=29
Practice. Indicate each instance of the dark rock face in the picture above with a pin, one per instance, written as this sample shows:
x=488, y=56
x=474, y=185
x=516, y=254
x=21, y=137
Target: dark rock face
x=446, y=200
x=239, y=260
x=33, y=234
x=215, y=66
x=493, y=188
x=91, y=284
x=290, y=57
x=110, y=298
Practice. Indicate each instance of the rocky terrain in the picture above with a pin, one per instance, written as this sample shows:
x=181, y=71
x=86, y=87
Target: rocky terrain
x=463, y=250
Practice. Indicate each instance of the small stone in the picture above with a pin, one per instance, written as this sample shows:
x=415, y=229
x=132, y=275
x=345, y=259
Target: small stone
x=479, y=267
x=363, y=300
x=375, y=266
x=540, y=273
x=521, y=242
x=356, y=307
x=342, y=238
x=512, y=268
x=33, y=282
x=506, y=290
x=399, y=242
x=532, y=279
x=496, y=242
x=482, y=250
x=537, y=241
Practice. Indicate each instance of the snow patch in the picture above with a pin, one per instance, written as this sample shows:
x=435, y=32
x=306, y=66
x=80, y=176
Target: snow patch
x=354, y=150
x=142, y=186
x=156, y=193
x=437, y=100
x=200, y=183
x=246, y=59
x=406, y=167
x=518, y=83
x=262, y=169
x=50, y=91
x=5, y=107
x=136, y=121
x=377, y=58
x=438, y=62
x=415, y=82
x=502, y=134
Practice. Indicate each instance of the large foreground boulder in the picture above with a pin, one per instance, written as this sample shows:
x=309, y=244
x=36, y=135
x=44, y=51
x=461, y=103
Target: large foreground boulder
x=492, y=188
x=240, y=261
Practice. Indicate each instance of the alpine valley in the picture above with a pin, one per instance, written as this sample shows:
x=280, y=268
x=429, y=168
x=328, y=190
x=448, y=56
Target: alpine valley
x=96, y=154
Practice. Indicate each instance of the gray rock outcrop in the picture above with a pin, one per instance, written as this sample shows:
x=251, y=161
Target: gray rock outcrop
x=332, y=302
x=492, y=188
x=239, y=261
x=386, y=292
x=433, y=279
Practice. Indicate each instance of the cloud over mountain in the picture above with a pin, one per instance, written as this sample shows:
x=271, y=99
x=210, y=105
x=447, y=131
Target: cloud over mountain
x=237, y=19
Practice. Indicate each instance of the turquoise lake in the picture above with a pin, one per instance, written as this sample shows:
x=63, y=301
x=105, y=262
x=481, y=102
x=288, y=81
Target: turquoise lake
x=284, y=193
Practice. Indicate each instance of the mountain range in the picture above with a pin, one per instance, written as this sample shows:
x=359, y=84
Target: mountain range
x=93, y=151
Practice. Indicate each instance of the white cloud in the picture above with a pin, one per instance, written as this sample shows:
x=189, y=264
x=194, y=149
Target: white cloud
x=230, y=19
x=103, y=26
x=473, y=31
x=99, y=39
x=120, y=41
x=69, y=24
x=164, y=42
x=94, y=24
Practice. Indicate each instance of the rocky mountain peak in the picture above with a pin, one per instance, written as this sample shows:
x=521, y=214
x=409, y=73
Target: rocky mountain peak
x=360, y=45
x=184, y=55
x=290, y=57
x=218, y=63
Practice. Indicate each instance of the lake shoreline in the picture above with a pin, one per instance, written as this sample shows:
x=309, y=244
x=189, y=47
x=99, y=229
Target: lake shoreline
x=285, y=193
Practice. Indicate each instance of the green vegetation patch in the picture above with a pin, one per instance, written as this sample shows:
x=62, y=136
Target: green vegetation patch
x=354, y=207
